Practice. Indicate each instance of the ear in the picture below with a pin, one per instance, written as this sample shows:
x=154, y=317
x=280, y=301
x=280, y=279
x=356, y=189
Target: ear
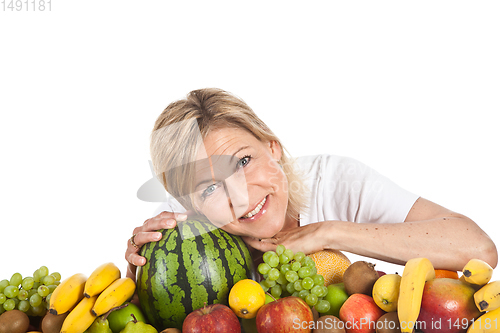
x=275, y=149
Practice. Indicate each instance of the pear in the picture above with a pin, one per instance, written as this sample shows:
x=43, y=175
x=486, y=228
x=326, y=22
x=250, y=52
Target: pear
x=100, y=325
x=136, y=326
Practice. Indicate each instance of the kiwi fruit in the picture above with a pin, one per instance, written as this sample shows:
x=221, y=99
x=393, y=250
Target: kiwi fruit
x=360, y=277
x=14, y=321
x=388, y=323
x=171, y=330
x=328, y=324
x=52, y=323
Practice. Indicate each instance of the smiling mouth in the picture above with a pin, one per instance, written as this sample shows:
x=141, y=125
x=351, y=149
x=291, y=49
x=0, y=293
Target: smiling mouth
x=256, y=210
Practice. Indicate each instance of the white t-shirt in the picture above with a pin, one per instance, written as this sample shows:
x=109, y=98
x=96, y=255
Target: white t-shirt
x=342, y=189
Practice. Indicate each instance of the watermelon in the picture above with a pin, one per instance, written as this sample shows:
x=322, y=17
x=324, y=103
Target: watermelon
x=193, y=264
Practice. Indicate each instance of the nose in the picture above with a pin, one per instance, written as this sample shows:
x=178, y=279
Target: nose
x=237, y=192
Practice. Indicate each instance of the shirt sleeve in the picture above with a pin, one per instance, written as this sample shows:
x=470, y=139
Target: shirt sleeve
x=342, y=188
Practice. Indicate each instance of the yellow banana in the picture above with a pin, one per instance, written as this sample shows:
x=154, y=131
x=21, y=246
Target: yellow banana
x=80, y=318
x=488, y=297
x=417, y=271
x=101, y=278
x=114, y=295
x=477, y=271
x=67, y=294
x=487, y=323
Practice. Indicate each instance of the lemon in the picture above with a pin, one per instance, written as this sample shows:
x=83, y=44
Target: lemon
x=246, y=298
x=386, y=292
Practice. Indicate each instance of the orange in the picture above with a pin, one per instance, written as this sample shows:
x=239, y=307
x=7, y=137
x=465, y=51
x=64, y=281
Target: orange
x=444, y=273
x=331, y=264
x=246, y=297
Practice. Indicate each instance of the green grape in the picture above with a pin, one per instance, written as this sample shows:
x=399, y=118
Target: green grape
x=270, y=283
x=295, y=266
x=3, y=298
x=290, y=287
x=9, y=305
x=282, y=279
x=307, y=283
x=263, y=268
x=48, y=280
x=303, y=293
x=35, y=300
x=274, y=260
x=291, y=276
x=280, y=248
x=36, y=285
x=285, y=268
x=288, y=253
x=317, y=290
x=3, y=284
x=284, y=259
x=31, y=292
x=322, y=306
x=52, y=287
x=23, y=306
x=23, y=295
x=44, y=271
x=43, y=290
x=11, y=291
x=273, y=274
x=2, y=310
x=16, y=279
x=297, y=285
x=27, y=283
x=299, y=256
x=311, y=299
x=276, y=290
x=267, y=255
x=47, y=300
x=304, y=272
x=324, y=291
x=295, y=293
x=263, y=285
x=308, y=261
x=39, y=310
x=314, y=270
x=36, y=276
x=57, y=276
x=319, y=280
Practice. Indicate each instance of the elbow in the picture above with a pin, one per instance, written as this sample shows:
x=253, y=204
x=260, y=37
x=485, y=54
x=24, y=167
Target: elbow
x=488, y=253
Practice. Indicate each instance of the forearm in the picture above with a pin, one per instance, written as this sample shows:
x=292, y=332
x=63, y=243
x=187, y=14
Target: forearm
x=448, y=241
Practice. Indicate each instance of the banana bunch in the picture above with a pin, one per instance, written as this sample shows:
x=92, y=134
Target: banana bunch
x=87, y=298
x=417, y=271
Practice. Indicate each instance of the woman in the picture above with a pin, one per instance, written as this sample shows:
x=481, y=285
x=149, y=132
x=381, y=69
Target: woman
x=217, y=158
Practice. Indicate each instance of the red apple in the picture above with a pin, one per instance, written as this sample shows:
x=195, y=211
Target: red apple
x=287, y=314
x=360, y=314
x=447, y=306
x=211, y=318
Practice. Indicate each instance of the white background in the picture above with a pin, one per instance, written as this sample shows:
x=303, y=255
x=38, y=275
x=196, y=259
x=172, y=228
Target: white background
x=409, y=88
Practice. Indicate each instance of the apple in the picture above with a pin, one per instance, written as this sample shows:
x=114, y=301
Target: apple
x=381, y=273
x=360, y=314
x=287, y=314
x=119, y=317
x=211, y=318
x=447, y=306
x=336, y=296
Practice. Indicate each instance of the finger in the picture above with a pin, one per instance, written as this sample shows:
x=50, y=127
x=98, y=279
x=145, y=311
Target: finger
x=259, y=244
x=135, y=259
x=142, y=238
x=157, y=223
x=172, y=215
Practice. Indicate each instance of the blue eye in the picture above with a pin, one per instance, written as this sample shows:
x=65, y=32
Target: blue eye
x=210, y=190
x=244, y=161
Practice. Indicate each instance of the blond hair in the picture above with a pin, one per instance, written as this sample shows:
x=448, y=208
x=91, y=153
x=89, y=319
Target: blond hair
x=181, y=127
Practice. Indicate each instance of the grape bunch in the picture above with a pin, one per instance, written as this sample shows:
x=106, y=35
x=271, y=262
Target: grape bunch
x=30, y=294
x=286, y=273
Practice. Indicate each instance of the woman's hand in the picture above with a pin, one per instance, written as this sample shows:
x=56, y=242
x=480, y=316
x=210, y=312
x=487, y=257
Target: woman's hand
x=308, y=239
x=148, y=233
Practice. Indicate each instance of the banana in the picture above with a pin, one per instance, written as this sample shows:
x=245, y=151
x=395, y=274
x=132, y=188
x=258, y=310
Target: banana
x=416, y=272
x=487, y=323
x=115, y=295
x=477, y=271
x=67, y=294
x=488, y=297
x=101, y=278
x=81, y=317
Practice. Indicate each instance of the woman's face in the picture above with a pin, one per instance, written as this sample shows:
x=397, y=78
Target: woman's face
x=240, y=187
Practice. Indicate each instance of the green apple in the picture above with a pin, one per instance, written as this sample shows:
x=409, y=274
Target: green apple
x=336, y=297
x=118, y=319
x=270, y=298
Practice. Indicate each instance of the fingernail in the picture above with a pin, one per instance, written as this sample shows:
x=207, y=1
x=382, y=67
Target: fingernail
x=158, y=236
x=181, y=217
x=170, y=223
